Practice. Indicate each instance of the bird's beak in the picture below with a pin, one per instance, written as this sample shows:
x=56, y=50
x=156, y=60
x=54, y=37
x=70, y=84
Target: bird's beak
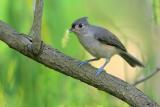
x=71, y=30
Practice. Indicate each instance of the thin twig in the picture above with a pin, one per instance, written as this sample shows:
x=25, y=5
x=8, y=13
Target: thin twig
x=147, y=77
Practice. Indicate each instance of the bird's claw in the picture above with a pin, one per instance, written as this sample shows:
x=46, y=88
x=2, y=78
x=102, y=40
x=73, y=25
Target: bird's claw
x=82, y=63
x=99, y=70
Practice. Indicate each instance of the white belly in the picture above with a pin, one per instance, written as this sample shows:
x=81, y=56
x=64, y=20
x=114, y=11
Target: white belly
x=96, y=48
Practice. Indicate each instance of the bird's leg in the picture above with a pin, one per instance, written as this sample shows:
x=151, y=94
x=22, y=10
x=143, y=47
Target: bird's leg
x=87, y=61
x=101, y=69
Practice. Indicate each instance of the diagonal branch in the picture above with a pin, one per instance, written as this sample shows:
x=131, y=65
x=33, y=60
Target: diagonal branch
x=56, y=60
x=147, y=77
x=35, y=31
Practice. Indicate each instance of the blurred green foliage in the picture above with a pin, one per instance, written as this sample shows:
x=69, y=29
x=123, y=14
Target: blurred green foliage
x=25, y=83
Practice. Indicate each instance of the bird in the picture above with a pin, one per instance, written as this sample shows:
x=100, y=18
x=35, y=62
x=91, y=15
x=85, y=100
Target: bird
x=100, y=43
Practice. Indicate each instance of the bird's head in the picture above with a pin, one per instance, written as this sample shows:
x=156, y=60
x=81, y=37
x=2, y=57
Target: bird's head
x=79, y=26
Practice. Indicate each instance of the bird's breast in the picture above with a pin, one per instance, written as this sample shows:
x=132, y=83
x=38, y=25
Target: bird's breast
x=96, y=48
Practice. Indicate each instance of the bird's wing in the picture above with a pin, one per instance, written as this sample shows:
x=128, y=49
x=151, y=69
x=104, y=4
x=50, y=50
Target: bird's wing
x=106, y=37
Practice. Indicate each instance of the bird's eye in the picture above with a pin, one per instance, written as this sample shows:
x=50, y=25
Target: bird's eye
x=80, y=25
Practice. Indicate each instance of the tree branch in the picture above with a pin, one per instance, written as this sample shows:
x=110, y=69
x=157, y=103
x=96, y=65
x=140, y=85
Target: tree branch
x=56, y=60
x=147, y=77
x=35, y=31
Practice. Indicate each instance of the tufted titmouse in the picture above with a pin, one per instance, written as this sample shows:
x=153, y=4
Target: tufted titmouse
x=101, y=43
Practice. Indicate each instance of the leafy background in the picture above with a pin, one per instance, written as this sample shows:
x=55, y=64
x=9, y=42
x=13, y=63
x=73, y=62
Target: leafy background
x=26, y=83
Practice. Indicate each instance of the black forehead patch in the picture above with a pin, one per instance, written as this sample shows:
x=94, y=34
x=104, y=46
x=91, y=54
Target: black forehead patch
x=82, y=20
x=73, y=25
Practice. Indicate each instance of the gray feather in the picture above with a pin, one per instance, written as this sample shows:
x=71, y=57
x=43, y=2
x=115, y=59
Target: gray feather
x=131, y=59
x=106, y=37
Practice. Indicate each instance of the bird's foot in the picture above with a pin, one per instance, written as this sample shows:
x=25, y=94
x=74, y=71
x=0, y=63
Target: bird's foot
x=82, y=63
x=99, y=70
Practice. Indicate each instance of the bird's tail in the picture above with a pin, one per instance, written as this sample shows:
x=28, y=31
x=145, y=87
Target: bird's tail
x=131, y=60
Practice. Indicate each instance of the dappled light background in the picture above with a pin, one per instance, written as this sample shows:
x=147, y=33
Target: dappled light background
x=26, y=83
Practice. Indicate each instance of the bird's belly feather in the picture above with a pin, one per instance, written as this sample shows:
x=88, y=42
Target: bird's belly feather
x=96, y=48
